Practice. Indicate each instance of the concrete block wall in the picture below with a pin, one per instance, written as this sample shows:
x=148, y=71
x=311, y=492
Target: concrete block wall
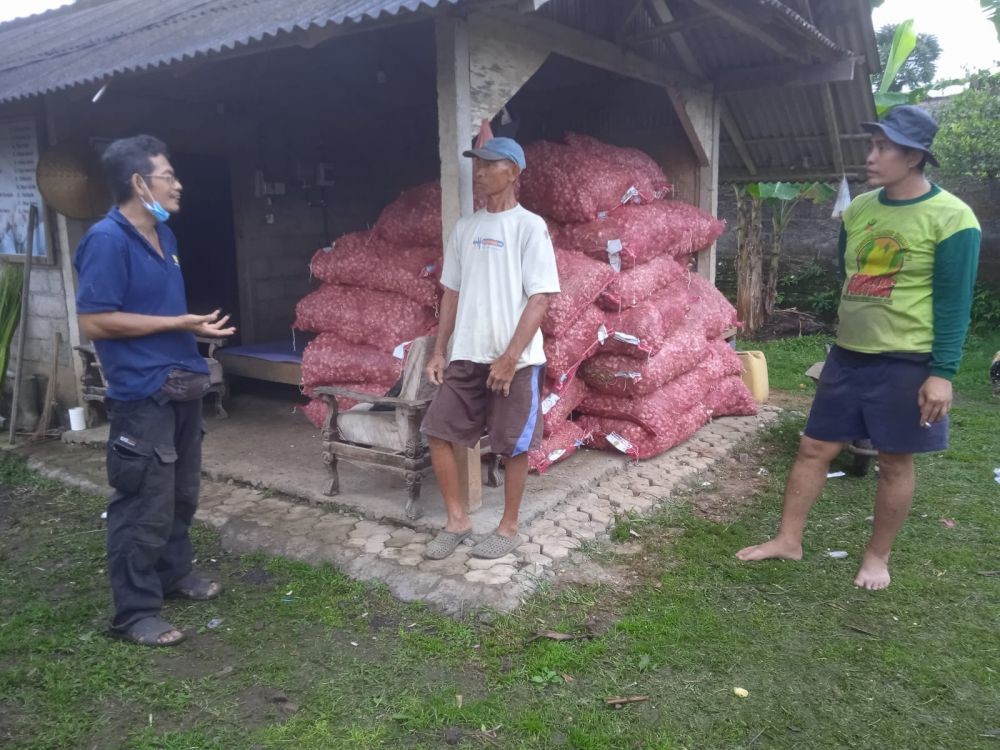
x=46, y=317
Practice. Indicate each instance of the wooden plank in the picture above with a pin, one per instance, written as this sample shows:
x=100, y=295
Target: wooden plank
x=674, y=27
x=289, y=373
x=379, y=456
x=708, y=188
x=736, y=137
x=832, y=128
x=592, y=50
x=500, y=63
x=779, y=76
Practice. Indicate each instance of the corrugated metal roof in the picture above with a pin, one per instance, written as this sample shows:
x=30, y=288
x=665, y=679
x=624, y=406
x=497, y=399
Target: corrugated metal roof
x=70, y=46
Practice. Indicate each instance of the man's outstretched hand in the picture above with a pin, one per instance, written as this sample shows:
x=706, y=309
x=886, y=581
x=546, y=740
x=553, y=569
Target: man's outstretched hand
x=501, y=374
x=210, y=326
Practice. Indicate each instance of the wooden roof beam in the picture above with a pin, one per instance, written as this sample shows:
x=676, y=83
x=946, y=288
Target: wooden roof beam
x=779, y=76
x=582, y=47
x=832, y=128
x=632, y=13
x=683, y=49
x=674, y=27
x=746, y=25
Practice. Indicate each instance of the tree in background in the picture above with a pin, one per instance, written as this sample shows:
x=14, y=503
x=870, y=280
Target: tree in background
x=968, y=142
x=920, y=68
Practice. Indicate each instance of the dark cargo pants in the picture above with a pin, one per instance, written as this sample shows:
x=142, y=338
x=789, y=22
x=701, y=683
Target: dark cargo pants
x=154, y=467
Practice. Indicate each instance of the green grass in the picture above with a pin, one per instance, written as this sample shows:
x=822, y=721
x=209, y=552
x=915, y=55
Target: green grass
x=826, y=666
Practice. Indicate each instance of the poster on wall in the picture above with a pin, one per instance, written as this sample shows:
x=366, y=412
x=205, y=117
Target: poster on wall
x=18, y=190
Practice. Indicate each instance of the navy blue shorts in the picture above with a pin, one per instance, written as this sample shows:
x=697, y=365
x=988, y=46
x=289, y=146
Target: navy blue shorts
x=873, y=396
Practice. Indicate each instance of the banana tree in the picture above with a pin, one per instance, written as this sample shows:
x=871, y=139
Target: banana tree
x=904, y=41
x=757, y=277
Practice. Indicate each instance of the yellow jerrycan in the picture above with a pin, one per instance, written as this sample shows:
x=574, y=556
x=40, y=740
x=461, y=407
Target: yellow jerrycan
x=755, y=374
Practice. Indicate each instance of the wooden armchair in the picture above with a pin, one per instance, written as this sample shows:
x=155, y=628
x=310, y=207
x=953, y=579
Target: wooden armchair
x=384, y=431
x=95, y=387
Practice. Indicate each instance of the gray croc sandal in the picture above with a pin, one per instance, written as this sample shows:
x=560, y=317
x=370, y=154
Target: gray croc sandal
x=496, y=545
x=195, y=588
x=147, y=632
x=445, y=543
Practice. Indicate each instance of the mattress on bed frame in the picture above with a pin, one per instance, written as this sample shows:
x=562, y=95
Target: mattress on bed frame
x=274, y=361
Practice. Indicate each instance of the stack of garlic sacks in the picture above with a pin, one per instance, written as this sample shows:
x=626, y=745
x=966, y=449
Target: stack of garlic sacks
x=636, y=358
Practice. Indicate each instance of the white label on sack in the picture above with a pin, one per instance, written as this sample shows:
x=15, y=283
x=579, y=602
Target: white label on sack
x=620, y=443
x=430, y=268
x=630, y=374
x=631, y=193
x=556, y=455
x=602, y=334
x=328, y=249
x=614, y=254
x=551, y=400
x=400, y=351
x=627, y=338
x=602, y=215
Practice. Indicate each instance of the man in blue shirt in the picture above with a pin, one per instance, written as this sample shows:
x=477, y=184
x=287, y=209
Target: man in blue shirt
x=131, y=304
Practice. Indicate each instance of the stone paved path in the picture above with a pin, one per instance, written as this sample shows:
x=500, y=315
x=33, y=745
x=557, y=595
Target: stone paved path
x=250, y=520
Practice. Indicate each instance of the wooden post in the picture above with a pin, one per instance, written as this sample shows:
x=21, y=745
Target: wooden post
x=455, y=136
x=64, y=255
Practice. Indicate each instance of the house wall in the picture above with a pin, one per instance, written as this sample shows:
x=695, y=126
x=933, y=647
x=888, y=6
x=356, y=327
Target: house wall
x=46, y=296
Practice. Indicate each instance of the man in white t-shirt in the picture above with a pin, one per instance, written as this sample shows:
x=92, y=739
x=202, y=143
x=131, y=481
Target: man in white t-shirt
x=499, y=271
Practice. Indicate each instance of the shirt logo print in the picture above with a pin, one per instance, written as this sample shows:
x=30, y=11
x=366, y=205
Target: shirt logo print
x=485, y=243
x=177, y=261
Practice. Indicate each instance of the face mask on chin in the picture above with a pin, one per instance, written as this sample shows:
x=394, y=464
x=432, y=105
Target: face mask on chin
x=159, y=212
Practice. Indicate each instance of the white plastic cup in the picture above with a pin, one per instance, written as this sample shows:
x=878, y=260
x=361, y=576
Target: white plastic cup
x=77, y=419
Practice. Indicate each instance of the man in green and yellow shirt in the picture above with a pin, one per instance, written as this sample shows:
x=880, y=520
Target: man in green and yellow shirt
x=909, y=251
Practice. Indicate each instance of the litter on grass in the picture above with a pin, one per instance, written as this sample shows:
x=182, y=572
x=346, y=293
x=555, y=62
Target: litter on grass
x=836, y=474
x=214, y=623
x=837, y=554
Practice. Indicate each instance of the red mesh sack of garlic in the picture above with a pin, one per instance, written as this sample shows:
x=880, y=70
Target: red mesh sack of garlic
x=558, y=446
x=581, y=279
x=715, y=312
x=635, y=285
x=414, y=217
x=570, y=184
x=364, y=259
x=656, y=412
x=645, y=175
x=642, y=331
x=363, y=316
x=618, y=435
x=622, y=375
x=558, y=403
x=636, y=234
x=564, y=353
x=730, y=397
x=329, y=359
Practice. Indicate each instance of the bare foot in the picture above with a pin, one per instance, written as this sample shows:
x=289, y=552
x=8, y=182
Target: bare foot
x=874, y=573
x=773, y=549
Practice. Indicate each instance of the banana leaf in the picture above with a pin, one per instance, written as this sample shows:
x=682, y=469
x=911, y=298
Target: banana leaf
x=11, y=279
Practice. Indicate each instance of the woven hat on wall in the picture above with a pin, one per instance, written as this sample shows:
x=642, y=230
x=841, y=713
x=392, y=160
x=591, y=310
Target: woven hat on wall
x=71, y=181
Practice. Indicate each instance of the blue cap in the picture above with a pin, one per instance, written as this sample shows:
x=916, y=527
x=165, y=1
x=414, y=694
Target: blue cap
x=909, y=126
x=499, y=148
